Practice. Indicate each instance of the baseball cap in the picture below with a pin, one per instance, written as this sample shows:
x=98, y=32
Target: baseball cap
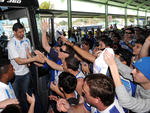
x=143, y=65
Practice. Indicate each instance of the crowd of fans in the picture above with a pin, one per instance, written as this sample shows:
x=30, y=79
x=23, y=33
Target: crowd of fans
x=94, y=72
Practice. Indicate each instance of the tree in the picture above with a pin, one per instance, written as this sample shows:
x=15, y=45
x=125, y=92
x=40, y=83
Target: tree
x=45, y=5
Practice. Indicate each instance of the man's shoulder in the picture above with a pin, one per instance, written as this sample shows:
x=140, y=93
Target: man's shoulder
x=3, y=85
x=11, y=41
x=26, y=39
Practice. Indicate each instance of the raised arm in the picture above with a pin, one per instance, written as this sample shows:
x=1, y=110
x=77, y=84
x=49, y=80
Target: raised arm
x=54, y=65
x=50, y=62
x=124, y=70
x=145, y=48
x=31, y=101
x=45, y=43
x=109, y=59
x=80, y=51
x=127, y=101
x=36, y=58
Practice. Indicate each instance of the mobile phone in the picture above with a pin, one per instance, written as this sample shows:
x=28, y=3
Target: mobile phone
x=59, y=32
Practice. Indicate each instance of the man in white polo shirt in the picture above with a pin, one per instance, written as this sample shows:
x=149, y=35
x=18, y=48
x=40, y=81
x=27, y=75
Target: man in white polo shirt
x=19, y=53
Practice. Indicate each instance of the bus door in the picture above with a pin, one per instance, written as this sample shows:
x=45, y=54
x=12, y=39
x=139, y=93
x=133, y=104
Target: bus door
x=23, y=11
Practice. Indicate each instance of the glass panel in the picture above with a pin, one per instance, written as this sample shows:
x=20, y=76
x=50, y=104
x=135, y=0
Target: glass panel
x=6, y=32
x=119, y=21
x=39, y=19
x=115, y=10
x=141, y=21
x=60, y=24
x=131, y=12
x=87, y=7
x=24, y=21
x=148, y=13
x=6, y=27
x=141, y=13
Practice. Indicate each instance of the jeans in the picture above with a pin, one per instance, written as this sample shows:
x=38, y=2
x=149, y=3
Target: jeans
x=21, y=86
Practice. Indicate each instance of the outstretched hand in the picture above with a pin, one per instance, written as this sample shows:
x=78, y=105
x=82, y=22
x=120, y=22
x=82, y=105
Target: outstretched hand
x=54, y=86
x=53, y=97
x=45, y=25
x=66, y=41
x=30, y=99
x=63, y=105
x=39, y=56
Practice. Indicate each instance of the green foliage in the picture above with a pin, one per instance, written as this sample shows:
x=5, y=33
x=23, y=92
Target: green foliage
x=45, y=5
x=131, y=20
x=63, y=23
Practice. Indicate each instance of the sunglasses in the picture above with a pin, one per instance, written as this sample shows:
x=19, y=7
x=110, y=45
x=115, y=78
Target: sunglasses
x=128, y=32
x=85, y=43
x=61, y=50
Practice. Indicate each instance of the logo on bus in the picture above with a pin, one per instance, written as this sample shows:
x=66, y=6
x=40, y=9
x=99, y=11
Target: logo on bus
x=14, y=1
x=1, y=0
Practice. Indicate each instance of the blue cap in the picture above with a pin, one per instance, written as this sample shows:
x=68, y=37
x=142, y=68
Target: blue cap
x=143, y=65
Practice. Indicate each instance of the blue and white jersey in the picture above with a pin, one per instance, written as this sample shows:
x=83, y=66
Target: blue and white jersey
x=6, y=92
x=125, y=46
x=113, y=108
x=129, y=85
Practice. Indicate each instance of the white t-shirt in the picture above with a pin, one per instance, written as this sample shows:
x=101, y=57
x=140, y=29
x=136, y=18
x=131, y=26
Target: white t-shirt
x=6, y=92
x=17, y=48
x=100, y=65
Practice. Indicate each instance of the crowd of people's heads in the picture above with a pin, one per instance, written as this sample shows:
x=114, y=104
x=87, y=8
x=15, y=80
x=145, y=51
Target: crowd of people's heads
x=78, y=79
x=126, y=44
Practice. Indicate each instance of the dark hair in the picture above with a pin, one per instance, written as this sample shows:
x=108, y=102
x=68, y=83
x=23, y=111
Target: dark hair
x=140, y=41
x=72, y=63
x=101, y=86
x=88, y=41
x=68, y=82
x=117, y=36
x=70, y=50
x=12, y=108
x=4, y=62
x=17, y=26
x=130, y=29
x=107, y=42
x=125, y=55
